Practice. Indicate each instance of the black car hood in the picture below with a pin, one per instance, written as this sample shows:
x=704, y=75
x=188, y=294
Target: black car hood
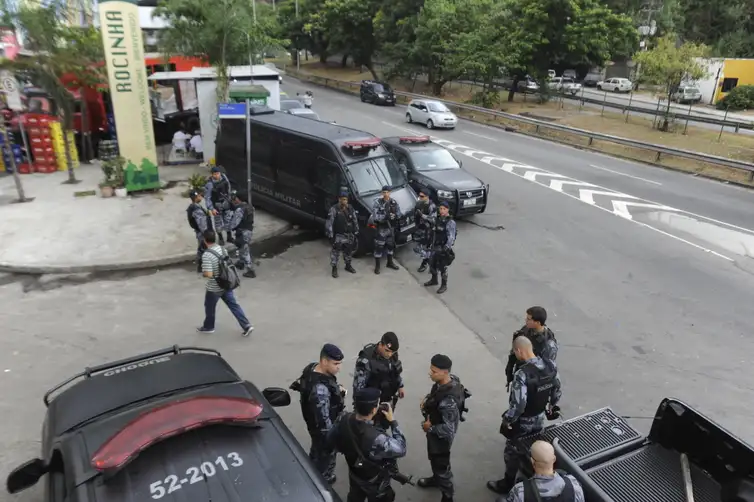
x=456, y=179
x=405, y=197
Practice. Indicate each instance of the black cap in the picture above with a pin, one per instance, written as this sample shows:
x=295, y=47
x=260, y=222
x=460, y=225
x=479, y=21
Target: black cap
x=216, y=169
x=332, y=352
x=234, y=194
x=444, y=204
x=390, y=340
x=386, y=188
x=367, y=396
x=343, y=193
x=441, y=362
x=193, y=194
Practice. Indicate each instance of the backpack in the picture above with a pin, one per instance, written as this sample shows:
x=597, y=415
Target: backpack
x=227, y=277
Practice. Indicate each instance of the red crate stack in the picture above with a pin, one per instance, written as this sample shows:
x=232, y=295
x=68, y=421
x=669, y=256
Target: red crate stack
x=40, y=143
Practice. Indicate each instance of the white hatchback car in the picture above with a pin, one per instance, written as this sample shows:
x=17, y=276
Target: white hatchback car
x=433, y=114
x=615, y=84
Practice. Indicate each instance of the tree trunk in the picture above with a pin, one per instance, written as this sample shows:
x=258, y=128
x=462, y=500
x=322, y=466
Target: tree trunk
x=512, y=91
x=344, y=61
x=437, y=86
x=666, y=119
x=370, y=67
x=323, y=57
x=16, y=176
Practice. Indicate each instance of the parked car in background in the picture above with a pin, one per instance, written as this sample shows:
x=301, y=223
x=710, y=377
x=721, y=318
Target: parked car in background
x=615, y=85
x=433, y=114
x=378, y=93
x=563, y=84
x=687, y=94
x=570, y=74
x=303, y=112
x=528, y=85
x=290, y=104
x=592, y=78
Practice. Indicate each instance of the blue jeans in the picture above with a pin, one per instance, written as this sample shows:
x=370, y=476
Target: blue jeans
x=210, y=307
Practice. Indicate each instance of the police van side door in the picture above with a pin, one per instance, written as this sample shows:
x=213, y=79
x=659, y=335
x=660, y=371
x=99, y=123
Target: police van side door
x=327, y=180
x=294, y=161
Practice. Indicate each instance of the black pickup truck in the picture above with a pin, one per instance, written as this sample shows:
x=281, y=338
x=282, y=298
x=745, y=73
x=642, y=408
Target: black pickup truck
x=614, y=463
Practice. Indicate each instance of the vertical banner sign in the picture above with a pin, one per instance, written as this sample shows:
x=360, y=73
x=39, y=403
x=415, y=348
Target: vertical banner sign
x=124, y=53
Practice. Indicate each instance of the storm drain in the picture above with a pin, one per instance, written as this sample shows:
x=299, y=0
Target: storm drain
x=652, y=474
x=588, y=435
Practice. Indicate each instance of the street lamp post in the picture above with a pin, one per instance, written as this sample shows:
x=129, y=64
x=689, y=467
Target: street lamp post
x=298, y=52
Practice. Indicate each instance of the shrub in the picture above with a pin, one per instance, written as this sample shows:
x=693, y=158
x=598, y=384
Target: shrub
x=739, y=98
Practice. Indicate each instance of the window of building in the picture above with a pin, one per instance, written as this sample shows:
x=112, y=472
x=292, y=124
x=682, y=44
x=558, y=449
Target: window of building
x=729, y=84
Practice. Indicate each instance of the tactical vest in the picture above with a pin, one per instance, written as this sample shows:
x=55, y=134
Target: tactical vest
x=220, y=189
x=345, y=221
x=190, y=215
x=441, y=235
x=432, y=405
x=539, y=384
x=567, y=495
x=423, y=208
x=389, y=207
x=538, y=342
x=384, y=373
x=363, y=435
x=308, y=380
x=247, y=222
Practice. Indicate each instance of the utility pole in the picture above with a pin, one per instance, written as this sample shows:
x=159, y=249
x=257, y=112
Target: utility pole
x=647, y=29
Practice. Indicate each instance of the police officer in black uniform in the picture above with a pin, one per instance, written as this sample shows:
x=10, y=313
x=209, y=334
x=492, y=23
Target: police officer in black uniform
x=322, y=401
x=198, y=221
x=542, y=338
x=378, y=367
x=534, y=396
x=342, y=228
x=242, y=222
x=370, y=452
x=217, y=195
x=424, y=218
x=442, y=247
x=442, y=409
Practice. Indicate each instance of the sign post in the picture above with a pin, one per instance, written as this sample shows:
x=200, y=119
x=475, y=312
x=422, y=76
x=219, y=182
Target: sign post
x=12, y=98
x=248, y=151
x=240, y=111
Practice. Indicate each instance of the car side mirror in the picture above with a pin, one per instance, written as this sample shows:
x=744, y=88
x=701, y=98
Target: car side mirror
x=26, y=475
x=277, y=396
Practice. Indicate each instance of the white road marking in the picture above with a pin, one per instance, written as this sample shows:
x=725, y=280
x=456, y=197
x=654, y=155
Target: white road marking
x=479, y=135
x=532, y=175
x=626, y=175
x=557, y=185
x=588, y=195
x=620, y=207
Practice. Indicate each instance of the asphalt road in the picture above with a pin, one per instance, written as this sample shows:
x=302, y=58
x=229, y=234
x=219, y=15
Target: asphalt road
x=649, y=304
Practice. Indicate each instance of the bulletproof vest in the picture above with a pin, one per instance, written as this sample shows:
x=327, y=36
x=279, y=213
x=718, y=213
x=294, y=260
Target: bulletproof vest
x=423, y=208
x=384, y=374
x=441, y=236
x=567, y=495
x=309, y=379
x=432, y=405
x=247, y=223
x=190, y=215
x=356, y=446
x=220, y=189
x=389, y=207
x=345, y=221
x=539, y=383
x=538, y=341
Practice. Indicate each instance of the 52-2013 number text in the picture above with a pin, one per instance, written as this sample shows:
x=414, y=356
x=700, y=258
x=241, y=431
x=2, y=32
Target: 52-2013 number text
x=194, y=474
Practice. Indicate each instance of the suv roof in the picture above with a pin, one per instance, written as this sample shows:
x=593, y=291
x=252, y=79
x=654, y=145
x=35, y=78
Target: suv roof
x=395, y=141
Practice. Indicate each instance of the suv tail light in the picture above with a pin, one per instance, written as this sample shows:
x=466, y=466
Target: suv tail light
x=172, y=420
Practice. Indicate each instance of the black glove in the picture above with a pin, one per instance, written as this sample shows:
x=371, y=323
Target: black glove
x=552, y=413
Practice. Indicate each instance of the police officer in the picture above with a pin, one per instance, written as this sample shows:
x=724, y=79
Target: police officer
x=386, y=214
x=217, y=195
x=444, y=236
x=549, y=484
x=378, y=367
x=322, y=401
x=197, y=219
x=242, y=222
x=542, y=339
x=424, y=218
x=342, y=228
x=442, y=409
x=534, y=395
x=370, y=452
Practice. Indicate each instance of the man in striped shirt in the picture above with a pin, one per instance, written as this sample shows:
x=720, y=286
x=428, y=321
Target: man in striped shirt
x=214, y=293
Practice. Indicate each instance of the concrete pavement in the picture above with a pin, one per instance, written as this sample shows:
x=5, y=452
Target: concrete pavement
x=654, y=303
x=61, y=233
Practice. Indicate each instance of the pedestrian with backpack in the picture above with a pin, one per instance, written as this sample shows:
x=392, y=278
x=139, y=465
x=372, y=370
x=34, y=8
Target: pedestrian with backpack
x=222, y=279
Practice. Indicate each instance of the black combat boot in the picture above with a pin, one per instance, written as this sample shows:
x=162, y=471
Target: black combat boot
x=501, y=486
x=432, y=281
x=444, y=286
x=423, y=266
x=349, y=268
x=376, y=265
x=446, y=498
x=335, y=271
x=428, y=482
x=391, y=263
x=251, y=274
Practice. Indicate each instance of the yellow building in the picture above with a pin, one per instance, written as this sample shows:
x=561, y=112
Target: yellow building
x=735, y=72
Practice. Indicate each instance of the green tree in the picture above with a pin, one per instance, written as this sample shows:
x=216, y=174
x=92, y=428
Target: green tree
x=669, y=64
x=395, y=27
x=223, y=33
x=727, y=27
x=301, y=30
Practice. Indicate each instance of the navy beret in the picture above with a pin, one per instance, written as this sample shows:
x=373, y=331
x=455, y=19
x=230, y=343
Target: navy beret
x=390, y=340
x=367, y=396
x=444, y=204
x=441, y=362
x=386, y=188
x=332, y=352
x=343, y=193
x=215, y=169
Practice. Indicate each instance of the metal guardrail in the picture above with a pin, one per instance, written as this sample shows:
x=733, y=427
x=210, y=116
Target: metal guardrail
x=659, y=150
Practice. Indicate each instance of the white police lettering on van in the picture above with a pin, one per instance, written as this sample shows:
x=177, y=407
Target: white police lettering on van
x=277, y=195
x=136, y=366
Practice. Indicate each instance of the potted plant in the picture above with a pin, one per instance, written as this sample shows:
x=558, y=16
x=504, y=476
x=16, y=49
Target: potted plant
x=118, y=175
x=106, y=185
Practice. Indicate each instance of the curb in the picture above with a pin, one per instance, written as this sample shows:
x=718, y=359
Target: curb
x=123, y=266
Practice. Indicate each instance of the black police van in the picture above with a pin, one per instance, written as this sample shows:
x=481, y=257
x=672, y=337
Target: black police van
x=432, y=169
x=378, y=93
x=299, y=166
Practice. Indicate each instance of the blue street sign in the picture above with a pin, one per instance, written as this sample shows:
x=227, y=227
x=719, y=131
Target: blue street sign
x=231, y=110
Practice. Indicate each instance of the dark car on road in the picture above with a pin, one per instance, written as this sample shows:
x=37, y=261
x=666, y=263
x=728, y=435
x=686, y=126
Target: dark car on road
x=432, y=169
x=176, y=424
x=378, y=93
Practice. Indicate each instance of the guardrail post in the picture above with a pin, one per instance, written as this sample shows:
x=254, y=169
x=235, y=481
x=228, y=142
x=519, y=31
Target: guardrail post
x=751, y=176
x=591, y=140
x=686, y=127
x=604, y=99
x=537, y=129
x=657, y=157
x=725, y=119
x=738, y=126
x=628, y=108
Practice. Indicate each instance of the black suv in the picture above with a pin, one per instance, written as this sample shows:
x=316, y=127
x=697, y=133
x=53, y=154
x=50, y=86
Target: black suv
x=432, y=169
x=378, y=93
x=176, y=424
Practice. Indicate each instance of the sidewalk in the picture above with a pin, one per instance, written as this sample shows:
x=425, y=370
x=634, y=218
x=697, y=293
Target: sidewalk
x=59, y=233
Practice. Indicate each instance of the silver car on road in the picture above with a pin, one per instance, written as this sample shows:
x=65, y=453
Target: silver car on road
x=433, y=114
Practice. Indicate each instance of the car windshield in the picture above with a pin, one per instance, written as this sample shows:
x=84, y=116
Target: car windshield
x=381, y=88
x=371, y=175
x=433, y=160
x=437, y=107
x=290, y=104
x=691, y=90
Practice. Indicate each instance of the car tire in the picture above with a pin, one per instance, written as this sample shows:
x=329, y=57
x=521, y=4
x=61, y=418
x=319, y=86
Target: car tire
x=617, y=89
x=362, y=98
x=599, y=87
x=430, y=124
x=408, y=118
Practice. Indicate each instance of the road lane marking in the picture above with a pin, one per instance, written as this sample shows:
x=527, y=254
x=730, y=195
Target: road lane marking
x=479, y=135
x=626, y=175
